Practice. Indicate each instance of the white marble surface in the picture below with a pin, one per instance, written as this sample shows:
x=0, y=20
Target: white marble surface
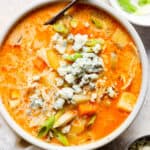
x=141, y=126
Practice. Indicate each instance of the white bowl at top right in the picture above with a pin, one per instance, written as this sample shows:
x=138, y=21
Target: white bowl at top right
x=142, y=19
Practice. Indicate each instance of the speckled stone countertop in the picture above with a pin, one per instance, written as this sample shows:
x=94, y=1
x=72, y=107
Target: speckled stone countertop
x=141, y=125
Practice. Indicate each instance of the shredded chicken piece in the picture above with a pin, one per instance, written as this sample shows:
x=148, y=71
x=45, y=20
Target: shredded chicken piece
x=132, y=71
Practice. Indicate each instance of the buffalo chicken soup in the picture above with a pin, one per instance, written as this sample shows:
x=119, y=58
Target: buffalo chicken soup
x=72, y=82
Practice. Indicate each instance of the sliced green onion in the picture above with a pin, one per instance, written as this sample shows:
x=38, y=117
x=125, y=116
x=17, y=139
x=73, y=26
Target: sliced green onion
x=74, y=23
x=97, y=22
x=89, y=49
x=61, y=28
x=143, y=2
x=93, y=42
x=73, y=57
x=127, y=6
x=46, y=127
x=58, y=114
x=61, y=137
x=76, y=56
x=92, y=120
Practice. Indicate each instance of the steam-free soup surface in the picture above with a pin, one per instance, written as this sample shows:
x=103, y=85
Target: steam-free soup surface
x=72, y=82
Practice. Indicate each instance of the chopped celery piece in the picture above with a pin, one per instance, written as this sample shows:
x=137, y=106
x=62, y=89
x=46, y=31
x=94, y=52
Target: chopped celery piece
x=143, y=2
x=93, y=42
x=97, y=22
x=61, y=28
x=73, y=57
x=89, y=49
x=58, y=114
x=92, y=120
x=127, y=6
x=61, y=137
x=46, y=126
x=74, y=23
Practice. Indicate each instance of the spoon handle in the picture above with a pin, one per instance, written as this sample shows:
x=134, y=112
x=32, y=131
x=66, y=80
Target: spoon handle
x=61, y=13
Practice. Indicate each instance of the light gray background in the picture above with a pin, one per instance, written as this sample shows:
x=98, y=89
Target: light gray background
x=140, y=127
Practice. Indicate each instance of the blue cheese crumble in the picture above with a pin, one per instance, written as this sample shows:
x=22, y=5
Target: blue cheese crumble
x=84, y=69
x=96, y=48
x=60, y=44
x=80, y=41
x=59, y=103
x=59, y=82
x=82, y=72
x=36, y=102
x=65, y=93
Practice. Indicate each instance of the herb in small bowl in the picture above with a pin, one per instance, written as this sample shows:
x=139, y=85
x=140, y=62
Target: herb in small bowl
x=142, y=143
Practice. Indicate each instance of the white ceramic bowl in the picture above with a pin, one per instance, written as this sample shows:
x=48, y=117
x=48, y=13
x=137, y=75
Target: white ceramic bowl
x=142, y=20
x=126, y=123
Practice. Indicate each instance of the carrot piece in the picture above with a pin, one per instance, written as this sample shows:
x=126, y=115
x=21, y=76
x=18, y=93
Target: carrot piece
x=39, y=64
x=87, y=108
x=53, y=59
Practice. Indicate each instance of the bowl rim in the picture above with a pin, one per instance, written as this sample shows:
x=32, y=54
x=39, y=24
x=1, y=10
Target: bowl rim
x=144, y=62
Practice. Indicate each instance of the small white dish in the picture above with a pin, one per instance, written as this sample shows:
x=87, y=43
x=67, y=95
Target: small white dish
x=142, y=19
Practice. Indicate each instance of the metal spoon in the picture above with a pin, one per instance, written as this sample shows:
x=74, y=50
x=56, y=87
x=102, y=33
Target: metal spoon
x=61, y=13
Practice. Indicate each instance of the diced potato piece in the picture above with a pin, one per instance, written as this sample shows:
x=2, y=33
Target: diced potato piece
x=53, y=59
x=80, y=138
x=120, y=38
x=64, y=119
x=81, y=98
x=14, y=103
x=127, y=102
x=78, y=126
x=14, y=94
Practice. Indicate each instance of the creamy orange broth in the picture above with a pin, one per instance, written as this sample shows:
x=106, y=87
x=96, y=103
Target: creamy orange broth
x=19, y=62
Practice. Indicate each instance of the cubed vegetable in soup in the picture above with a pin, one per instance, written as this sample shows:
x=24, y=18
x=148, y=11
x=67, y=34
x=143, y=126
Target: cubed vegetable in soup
x=127, y=101
x=72, y=82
